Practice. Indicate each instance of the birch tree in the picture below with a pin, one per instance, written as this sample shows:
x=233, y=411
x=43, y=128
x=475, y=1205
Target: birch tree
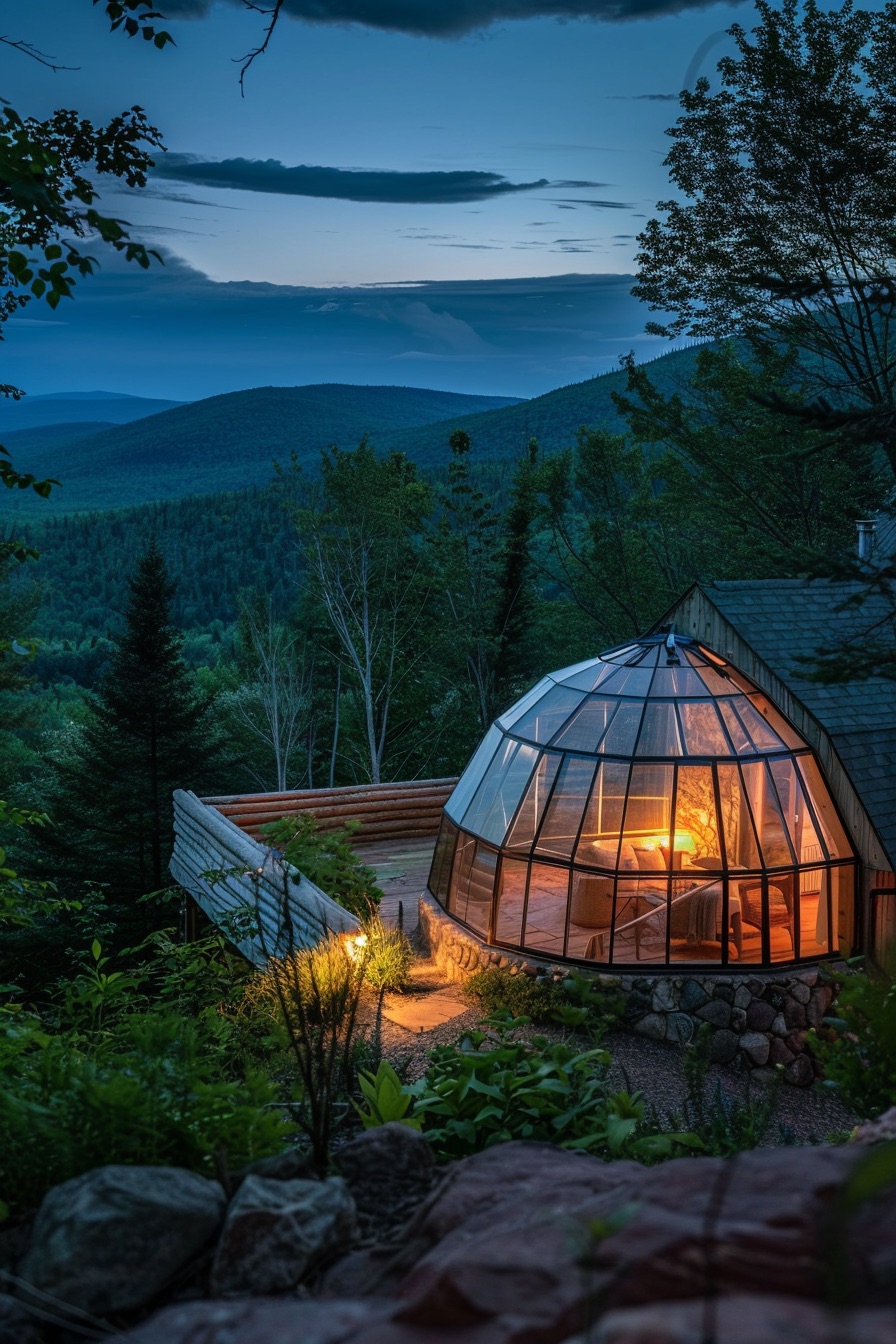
x=361, y=541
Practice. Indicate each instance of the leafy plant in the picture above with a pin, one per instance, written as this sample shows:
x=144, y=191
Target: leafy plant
x=327, y=859
x=857, y=1044
x=473, y=1097
x=387, y=1098
x=575, y=1001
x=149, y=1093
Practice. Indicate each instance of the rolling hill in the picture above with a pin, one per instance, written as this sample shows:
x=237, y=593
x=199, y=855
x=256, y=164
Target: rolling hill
x=226, y=442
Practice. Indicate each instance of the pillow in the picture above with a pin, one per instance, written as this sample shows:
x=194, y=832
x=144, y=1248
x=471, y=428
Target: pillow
x=605, y=856
x=711, y=861
x=650, y=859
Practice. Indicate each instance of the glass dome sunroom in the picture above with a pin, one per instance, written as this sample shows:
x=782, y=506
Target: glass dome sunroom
x=647, y=807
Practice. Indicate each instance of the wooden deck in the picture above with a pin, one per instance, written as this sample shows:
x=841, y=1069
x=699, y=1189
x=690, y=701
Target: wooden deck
x=402, y=867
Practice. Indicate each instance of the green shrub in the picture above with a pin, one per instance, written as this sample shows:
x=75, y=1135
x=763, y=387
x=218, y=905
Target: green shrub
x=327, y=859
x=390, y=955
x=857, y=1044
x=149, y=1093
x=575, y=1001
x=493, y=1087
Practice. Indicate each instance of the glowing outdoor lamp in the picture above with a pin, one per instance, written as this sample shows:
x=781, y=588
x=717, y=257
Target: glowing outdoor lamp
x=355, y=945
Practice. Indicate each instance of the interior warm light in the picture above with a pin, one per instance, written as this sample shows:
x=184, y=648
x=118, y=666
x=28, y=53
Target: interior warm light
x=683, y=842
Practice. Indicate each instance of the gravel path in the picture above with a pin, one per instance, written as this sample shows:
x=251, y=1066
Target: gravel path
x=802, y=1115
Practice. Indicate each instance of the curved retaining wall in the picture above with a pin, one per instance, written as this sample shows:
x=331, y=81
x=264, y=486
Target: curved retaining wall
x=760, y=1018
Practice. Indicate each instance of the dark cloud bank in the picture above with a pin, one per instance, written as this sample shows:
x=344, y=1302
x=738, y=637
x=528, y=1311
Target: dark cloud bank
x=450, y=18
x=269, y=175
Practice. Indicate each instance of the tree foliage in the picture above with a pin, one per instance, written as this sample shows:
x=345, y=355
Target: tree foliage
x=147, y=731
x=784, y=224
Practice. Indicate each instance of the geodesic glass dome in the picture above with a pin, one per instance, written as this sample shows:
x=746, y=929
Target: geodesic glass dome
x=647, y=807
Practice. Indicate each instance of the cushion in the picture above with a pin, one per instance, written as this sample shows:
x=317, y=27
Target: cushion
x=711, y=861
x=650, y=860
x=605, y=857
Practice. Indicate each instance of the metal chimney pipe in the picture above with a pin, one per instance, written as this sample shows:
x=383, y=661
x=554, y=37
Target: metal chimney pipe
x=865, y=528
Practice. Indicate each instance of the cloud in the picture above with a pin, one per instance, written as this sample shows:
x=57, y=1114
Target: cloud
x=450, y=18
x=598, y=205
x=269, y=175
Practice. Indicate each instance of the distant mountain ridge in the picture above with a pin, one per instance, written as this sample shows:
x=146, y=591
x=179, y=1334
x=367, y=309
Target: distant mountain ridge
x=53, y=408
x=229, y=442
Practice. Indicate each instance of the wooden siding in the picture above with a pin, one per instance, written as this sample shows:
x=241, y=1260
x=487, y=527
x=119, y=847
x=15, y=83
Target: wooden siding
x=252, y=886
x=386, y=811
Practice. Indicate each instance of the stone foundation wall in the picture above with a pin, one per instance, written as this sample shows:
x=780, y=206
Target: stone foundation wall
x=759, y=1017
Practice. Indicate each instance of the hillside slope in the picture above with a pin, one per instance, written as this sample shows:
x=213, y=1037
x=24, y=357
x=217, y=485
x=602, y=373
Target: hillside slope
x=228, y=442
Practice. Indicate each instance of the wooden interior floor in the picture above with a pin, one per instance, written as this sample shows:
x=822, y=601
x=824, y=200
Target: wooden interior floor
x=402, y=868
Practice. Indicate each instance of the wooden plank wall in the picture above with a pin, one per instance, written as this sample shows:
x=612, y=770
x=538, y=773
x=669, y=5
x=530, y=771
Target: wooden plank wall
x=251, y=886
x=385, y=811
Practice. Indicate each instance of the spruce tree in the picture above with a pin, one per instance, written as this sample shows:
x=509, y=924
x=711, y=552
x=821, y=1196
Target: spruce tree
x=148, y=731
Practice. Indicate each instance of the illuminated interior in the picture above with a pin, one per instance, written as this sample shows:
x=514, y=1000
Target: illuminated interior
x=647, y=807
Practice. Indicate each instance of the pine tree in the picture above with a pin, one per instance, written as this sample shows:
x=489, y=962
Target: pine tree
x=147, y=732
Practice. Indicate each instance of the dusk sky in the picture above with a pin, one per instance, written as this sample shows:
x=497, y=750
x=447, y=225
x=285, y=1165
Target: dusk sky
x=404, y=168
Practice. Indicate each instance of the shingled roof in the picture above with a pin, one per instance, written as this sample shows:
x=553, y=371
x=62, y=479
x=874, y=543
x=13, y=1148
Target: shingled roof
x=786, y=621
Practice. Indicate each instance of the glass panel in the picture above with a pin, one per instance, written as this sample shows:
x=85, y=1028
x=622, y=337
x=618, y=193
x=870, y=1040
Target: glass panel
x=832, y=832
x=588, y=666
x=590, y=917
x=529, y=815
x=801, y=828
x=697, y=835
x=492, y=809
x=741, y=849
x=696, y=918
x=589, y=680
x=649, y=803
x=716, y=684
x=660, y=734
x=745, y=904
x=703, y=733
x=774, y=841
x=632, y=681
x=511, y=901
x=741, y=742
x=814, y=913
x=468, y=783
x=460, y=877
x=548, y=716
x=776, y=721
x=546, y=909
x=843, y=903
x=523, y=705
x=602, y=828
x=443, y=853
x=763, y=737
x=483, y=872
x=619, y=739
x=587, y=726
x=563, y=816
x=639, y=932
x=676, y=681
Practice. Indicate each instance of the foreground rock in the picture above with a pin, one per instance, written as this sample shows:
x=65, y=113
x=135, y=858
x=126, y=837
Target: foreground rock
x=113, y=1240
x=743, y=1320
x=527, y=1244
x=276, y=1231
